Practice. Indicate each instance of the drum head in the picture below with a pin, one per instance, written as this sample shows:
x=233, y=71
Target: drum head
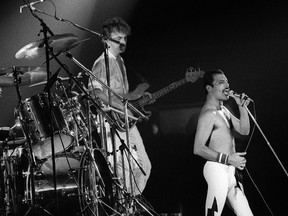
x=43, y=149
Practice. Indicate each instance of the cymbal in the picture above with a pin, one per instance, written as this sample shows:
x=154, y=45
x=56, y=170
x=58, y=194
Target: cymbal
x=21, y=69
x=45, y=81
x=36, y=49
x=27, y=75
x=71, y=46
x=66, y=49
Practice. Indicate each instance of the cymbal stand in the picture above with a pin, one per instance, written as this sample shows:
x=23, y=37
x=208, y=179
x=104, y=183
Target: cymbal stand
x=45, y=30
x=25, y=126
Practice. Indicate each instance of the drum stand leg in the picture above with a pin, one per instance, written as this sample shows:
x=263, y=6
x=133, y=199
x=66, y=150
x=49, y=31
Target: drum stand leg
x=36, y=209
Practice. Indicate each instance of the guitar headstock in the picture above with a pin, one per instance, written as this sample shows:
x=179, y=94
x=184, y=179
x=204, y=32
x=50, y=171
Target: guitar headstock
x=192, y=74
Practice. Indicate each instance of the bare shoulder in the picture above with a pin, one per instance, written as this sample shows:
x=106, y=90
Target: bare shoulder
x=207, y=114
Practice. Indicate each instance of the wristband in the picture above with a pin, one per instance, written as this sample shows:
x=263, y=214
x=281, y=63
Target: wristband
x=222, y=158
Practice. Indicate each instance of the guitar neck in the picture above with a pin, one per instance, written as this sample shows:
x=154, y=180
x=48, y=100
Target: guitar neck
x=168, y=89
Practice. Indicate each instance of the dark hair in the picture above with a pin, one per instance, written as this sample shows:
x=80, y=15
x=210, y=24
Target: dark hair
x=208, y=78
x=115, y=24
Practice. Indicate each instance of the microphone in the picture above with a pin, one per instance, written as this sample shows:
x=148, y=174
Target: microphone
x=234, y=94
x=30, y=4
x=115, y=41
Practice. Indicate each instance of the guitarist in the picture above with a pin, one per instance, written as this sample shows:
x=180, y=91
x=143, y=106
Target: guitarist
x=115, y=32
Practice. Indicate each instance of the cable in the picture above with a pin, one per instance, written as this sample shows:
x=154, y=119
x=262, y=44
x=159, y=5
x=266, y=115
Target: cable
x=258, y=191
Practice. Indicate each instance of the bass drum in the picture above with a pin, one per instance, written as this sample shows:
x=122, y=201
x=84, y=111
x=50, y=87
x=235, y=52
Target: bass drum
x=78, y=188
x=67, y=169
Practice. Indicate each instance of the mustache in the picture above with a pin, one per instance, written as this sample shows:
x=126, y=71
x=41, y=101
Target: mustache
x=122, y=47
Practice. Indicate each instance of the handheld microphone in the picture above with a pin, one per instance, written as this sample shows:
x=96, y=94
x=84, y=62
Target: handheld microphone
x=30, y=4
x=234, y=94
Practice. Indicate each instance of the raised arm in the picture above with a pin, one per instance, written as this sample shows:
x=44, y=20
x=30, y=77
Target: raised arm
x=241, y=125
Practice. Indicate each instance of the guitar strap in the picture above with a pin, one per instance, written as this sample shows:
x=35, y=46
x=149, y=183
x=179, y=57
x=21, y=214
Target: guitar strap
x=121, y=66
x=139, y=76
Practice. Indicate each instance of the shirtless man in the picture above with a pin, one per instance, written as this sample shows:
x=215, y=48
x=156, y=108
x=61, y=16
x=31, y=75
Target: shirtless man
x=214, y=142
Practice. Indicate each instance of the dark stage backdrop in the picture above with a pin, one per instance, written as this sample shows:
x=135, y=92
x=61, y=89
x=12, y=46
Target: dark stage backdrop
x=248, y=40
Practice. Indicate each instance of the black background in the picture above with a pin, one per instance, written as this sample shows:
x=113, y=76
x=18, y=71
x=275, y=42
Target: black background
x=247, y=40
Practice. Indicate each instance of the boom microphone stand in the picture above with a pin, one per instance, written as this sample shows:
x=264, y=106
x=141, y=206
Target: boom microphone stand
x=45, y=30
x=274, y=153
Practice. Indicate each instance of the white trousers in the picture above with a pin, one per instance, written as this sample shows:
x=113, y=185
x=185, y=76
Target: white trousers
x=222, y=187
x=135, y=179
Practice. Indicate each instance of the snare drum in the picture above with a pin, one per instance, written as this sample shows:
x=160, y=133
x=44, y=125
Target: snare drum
x=36, y=111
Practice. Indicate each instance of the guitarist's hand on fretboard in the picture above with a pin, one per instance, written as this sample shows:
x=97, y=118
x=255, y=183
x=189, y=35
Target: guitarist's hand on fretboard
x=149, y=95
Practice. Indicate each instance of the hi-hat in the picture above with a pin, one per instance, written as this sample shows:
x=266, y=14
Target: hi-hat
x=58, y=43
x=27, y=75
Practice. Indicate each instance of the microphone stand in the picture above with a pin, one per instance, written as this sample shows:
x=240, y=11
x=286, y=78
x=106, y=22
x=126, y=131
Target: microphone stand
x=45, y=30
x=25, y=127
x=267, y=142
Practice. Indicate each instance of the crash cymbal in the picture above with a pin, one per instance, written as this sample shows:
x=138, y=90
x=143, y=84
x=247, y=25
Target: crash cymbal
x=68, y=48
x=58, y=43
x=27, y=75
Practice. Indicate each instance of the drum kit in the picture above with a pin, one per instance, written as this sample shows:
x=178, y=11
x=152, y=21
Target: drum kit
x=58, y=166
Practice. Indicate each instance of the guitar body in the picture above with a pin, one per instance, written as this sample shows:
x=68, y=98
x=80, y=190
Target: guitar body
x=132, y=97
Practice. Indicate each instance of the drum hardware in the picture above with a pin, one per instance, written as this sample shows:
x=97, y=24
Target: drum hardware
x=26, y=130
x=45, y=82
x=101, y=111
x=26, y=75
x=69, y=55
x=60, y=44
x=80, y=87
x=45, y=47
x=35, y=110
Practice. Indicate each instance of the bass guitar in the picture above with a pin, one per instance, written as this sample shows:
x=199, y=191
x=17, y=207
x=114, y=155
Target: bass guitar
x=139, y=99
